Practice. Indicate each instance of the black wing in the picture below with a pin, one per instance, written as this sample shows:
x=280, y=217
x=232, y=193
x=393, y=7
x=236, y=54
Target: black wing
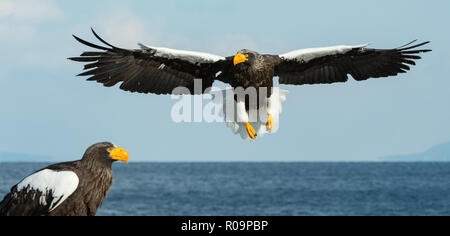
x=32, y=199
x=150, y=70
x=333, y=64
x=25, y=203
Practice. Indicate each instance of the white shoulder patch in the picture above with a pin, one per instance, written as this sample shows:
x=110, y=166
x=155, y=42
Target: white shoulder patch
x=309, y=54
x=191, y=56
x=61, y=184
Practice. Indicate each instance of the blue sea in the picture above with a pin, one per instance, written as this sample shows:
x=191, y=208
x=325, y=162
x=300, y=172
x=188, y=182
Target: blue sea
x=268, y=189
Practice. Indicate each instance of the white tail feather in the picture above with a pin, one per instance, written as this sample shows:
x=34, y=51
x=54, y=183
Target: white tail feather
x=237, y=118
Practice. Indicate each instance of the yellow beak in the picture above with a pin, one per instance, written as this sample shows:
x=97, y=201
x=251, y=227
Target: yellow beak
x=119, y=154
x=239, y=58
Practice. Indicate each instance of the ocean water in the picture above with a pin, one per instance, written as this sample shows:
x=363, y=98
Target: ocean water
x=268, y=189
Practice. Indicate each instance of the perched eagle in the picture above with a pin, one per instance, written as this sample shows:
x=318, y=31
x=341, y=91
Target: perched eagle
x=162, y=70
x=66, y=189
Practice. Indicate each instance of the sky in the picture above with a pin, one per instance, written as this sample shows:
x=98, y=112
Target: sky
x=46, y=110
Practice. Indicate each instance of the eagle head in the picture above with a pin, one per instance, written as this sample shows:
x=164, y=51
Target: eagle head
x=106, y=153
x=245, y=58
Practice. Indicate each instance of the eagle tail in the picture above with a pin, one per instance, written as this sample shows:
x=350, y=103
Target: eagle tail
x=234, y=118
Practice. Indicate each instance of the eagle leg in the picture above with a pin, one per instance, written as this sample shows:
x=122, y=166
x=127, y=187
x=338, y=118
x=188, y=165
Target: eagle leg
x=251, y=131
x=269, y=123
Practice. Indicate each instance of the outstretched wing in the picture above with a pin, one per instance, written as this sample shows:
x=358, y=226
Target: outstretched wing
x=149, y=70
x=334, y=64
x=40, y=193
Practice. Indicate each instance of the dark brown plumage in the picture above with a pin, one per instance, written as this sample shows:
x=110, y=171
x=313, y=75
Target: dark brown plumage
x=75, y=188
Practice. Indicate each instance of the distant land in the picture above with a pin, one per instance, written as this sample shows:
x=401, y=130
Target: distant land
x=20, y=157
x=437, y=153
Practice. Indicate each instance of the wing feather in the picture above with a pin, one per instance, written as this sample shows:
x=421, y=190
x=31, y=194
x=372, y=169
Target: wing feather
x=40, y=193
x=334, y=64
x=150, y=70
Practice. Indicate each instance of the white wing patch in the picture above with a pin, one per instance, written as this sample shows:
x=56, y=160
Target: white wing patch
x=61, y=184
x=193, y=57
x=309, y=54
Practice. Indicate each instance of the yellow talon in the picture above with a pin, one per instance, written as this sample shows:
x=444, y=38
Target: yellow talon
x=251, y=131
x=269, y=123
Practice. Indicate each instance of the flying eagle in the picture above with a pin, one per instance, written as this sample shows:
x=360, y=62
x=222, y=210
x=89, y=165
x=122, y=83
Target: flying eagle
x=66, y=189
x=162, y=70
